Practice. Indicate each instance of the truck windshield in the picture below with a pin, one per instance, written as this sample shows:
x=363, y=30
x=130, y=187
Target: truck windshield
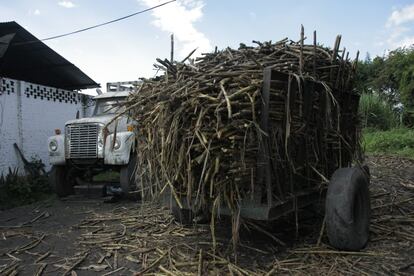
x=109, y=106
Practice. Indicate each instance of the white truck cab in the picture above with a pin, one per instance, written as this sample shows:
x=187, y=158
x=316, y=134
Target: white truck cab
x=89, y=146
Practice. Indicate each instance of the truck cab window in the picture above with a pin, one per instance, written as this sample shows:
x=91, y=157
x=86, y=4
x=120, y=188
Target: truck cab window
x=109, y=106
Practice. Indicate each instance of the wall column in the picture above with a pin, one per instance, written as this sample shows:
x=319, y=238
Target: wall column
x=19, y=118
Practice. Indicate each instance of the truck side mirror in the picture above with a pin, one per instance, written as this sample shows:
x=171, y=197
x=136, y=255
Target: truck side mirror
x=77, y=114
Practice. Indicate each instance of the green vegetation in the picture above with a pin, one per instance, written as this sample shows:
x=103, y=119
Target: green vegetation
x=107, y=176
x=17, y=189
x=392, y=79
x=387, y=102
x=377, y=112
x=397, y=141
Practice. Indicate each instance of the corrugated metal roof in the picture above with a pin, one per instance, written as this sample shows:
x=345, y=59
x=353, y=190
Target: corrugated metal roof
x=113, y=95
x=27, y=58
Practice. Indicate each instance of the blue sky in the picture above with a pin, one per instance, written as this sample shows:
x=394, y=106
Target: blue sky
x=126, y=50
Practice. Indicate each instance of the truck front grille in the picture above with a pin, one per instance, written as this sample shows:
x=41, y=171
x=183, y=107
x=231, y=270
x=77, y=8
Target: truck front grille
x=82, y=141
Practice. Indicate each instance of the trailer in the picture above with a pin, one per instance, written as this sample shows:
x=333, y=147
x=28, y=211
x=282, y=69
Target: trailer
x=256, y=132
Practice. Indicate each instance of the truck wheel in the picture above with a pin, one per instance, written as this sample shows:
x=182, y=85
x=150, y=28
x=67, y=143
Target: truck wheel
x=126, y=175
x=58, y=179
x=348, y=209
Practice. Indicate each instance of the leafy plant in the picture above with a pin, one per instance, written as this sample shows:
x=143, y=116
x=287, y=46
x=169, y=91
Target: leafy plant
x=17, y=189
x=376, y=112
x=391, y=78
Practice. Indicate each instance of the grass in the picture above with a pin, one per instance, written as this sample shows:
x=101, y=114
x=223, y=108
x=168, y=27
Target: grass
x=376, y=112
x=107, y=176
x=397, y=141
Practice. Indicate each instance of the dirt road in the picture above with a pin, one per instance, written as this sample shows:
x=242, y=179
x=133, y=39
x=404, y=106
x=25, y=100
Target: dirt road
x=80, y=236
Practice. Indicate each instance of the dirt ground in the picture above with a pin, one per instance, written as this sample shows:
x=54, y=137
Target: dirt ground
x=81, y=236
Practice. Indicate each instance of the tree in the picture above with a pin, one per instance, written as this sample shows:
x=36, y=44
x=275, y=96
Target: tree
x=407, y=95
x=392, y=78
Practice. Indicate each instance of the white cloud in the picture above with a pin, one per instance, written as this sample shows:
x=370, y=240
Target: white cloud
x=66, y=4
x=398, y=27
x=406, y=41
x=403, y=15
x=179, y=18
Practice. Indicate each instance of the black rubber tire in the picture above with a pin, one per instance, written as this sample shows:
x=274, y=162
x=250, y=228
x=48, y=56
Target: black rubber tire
x=126, y=175
x=58, y=179
x=348, y=209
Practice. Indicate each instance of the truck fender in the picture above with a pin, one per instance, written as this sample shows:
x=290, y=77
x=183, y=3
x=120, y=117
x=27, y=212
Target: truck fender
x=57, y=157
x=121, y=155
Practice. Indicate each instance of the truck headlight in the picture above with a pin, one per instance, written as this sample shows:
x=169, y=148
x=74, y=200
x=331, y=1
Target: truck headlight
x=53, y=146
x=117, y=144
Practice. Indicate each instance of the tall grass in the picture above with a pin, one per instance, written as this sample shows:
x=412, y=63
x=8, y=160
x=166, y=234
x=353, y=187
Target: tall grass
x=376, y=112
x=398, y=141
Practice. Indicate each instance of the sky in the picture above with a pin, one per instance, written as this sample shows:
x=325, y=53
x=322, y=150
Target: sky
x=127, y=50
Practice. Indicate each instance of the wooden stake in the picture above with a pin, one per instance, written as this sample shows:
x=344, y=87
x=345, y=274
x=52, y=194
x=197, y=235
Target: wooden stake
x=314, y=53
x=172, y=48
x=302, y=38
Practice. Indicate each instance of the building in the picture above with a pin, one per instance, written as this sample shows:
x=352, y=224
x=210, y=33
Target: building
x=39, y=92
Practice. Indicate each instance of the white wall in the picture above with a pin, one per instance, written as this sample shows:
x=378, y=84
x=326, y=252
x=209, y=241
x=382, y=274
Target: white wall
x=8, y=124
x=29, y=114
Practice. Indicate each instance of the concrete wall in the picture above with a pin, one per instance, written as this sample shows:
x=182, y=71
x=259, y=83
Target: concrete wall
x=29, y=114
x=8, y=124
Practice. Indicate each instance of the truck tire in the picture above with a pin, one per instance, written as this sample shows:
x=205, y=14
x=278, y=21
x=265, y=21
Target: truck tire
x=58, y=179
x=126, y=175
x=348, y=209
